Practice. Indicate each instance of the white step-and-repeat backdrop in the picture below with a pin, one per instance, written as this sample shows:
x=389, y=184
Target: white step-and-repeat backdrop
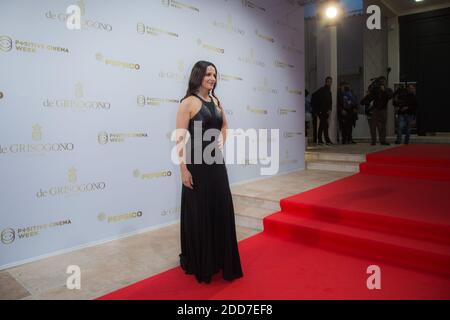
x=86, y=115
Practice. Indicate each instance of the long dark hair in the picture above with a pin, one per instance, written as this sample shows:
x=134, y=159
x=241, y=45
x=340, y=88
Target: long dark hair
x=195, y=80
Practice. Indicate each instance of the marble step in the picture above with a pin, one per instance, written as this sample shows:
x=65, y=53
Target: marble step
x=250, y=216
x=334, y=156
x=438, y=139
x=341, y=166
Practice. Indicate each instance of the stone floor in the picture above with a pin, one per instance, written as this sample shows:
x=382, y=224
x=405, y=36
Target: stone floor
x=276, y=188
x=359, y=148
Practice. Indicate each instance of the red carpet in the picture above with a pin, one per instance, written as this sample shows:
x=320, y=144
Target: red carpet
x=321, y=243
x=418, y=161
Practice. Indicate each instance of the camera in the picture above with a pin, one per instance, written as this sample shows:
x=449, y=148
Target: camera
x=376, y=85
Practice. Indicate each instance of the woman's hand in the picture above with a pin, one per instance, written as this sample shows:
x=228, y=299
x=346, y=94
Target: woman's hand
x=186, y=178
x=220, y=142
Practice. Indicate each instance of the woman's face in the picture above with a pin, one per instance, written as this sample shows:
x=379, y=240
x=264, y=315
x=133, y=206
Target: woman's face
x=209, y=80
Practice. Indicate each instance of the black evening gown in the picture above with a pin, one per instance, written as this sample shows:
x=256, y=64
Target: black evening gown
x=208, y=234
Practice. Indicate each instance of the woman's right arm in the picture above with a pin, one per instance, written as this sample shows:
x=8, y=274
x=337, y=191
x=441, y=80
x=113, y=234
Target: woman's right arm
x=182, y=123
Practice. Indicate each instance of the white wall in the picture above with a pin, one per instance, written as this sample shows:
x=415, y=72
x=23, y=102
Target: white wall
x=102, y=108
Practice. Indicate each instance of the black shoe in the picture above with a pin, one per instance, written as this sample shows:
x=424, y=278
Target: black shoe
x=397, y=142
x=353, y=142
x=373, y=144
x=385, y=144
x=320, y=143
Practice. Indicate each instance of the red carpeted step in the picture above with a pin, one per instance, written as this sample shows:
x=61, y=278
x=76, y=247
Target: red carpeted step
x=413, y=155
x=406, y=252
x=418, y=172
x=419, y=209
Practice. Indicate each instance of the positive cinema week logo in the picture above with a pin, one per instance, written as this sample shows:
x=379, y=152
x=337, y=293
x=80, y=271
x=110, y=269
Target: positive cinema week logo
x=7, y=44
x=179, y=5
x=153, y=31
x=9, y=235
x=153, y=101
x=105, y=137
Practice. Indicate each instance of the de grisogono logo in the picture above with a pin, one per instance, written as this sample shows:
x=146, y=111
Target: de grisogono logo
x=152, y=175
x=85, y=22
x=264, y=88
x=7, y=44
x=104, y=137
x=72, y=187
x=38, y=147
x=77, y=104
x=9, y=235
x=116, y=63
x=153, y=101
x=110, y=218
x=180, y=75
x=228, y=26
x=179, y=5
x=251, y=59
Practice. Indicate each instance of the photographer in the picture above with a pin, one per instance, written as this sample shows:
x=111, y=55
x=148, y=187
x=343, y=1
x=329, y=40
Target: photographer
x=380, y=95
x=347, y=112
x=405, y=103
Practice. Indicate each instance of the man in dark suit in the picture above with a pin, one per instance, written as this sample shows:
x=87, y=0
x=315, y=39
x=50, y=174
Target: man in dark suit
x=322, y=103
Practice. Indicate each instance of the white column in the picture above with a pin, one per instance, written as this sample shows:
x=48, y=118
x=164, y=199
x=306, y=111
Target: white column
x=327, y=66
x=394, y=64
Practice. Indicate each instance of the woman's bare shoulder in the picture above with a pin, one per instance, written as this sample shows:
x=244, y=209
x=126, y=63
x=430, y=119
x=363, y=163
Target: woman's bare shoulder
x=189, y=102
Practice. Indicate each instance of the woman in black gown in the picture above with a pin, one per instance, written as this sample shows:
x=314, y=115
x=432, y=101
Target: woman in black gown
x=208, y=234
